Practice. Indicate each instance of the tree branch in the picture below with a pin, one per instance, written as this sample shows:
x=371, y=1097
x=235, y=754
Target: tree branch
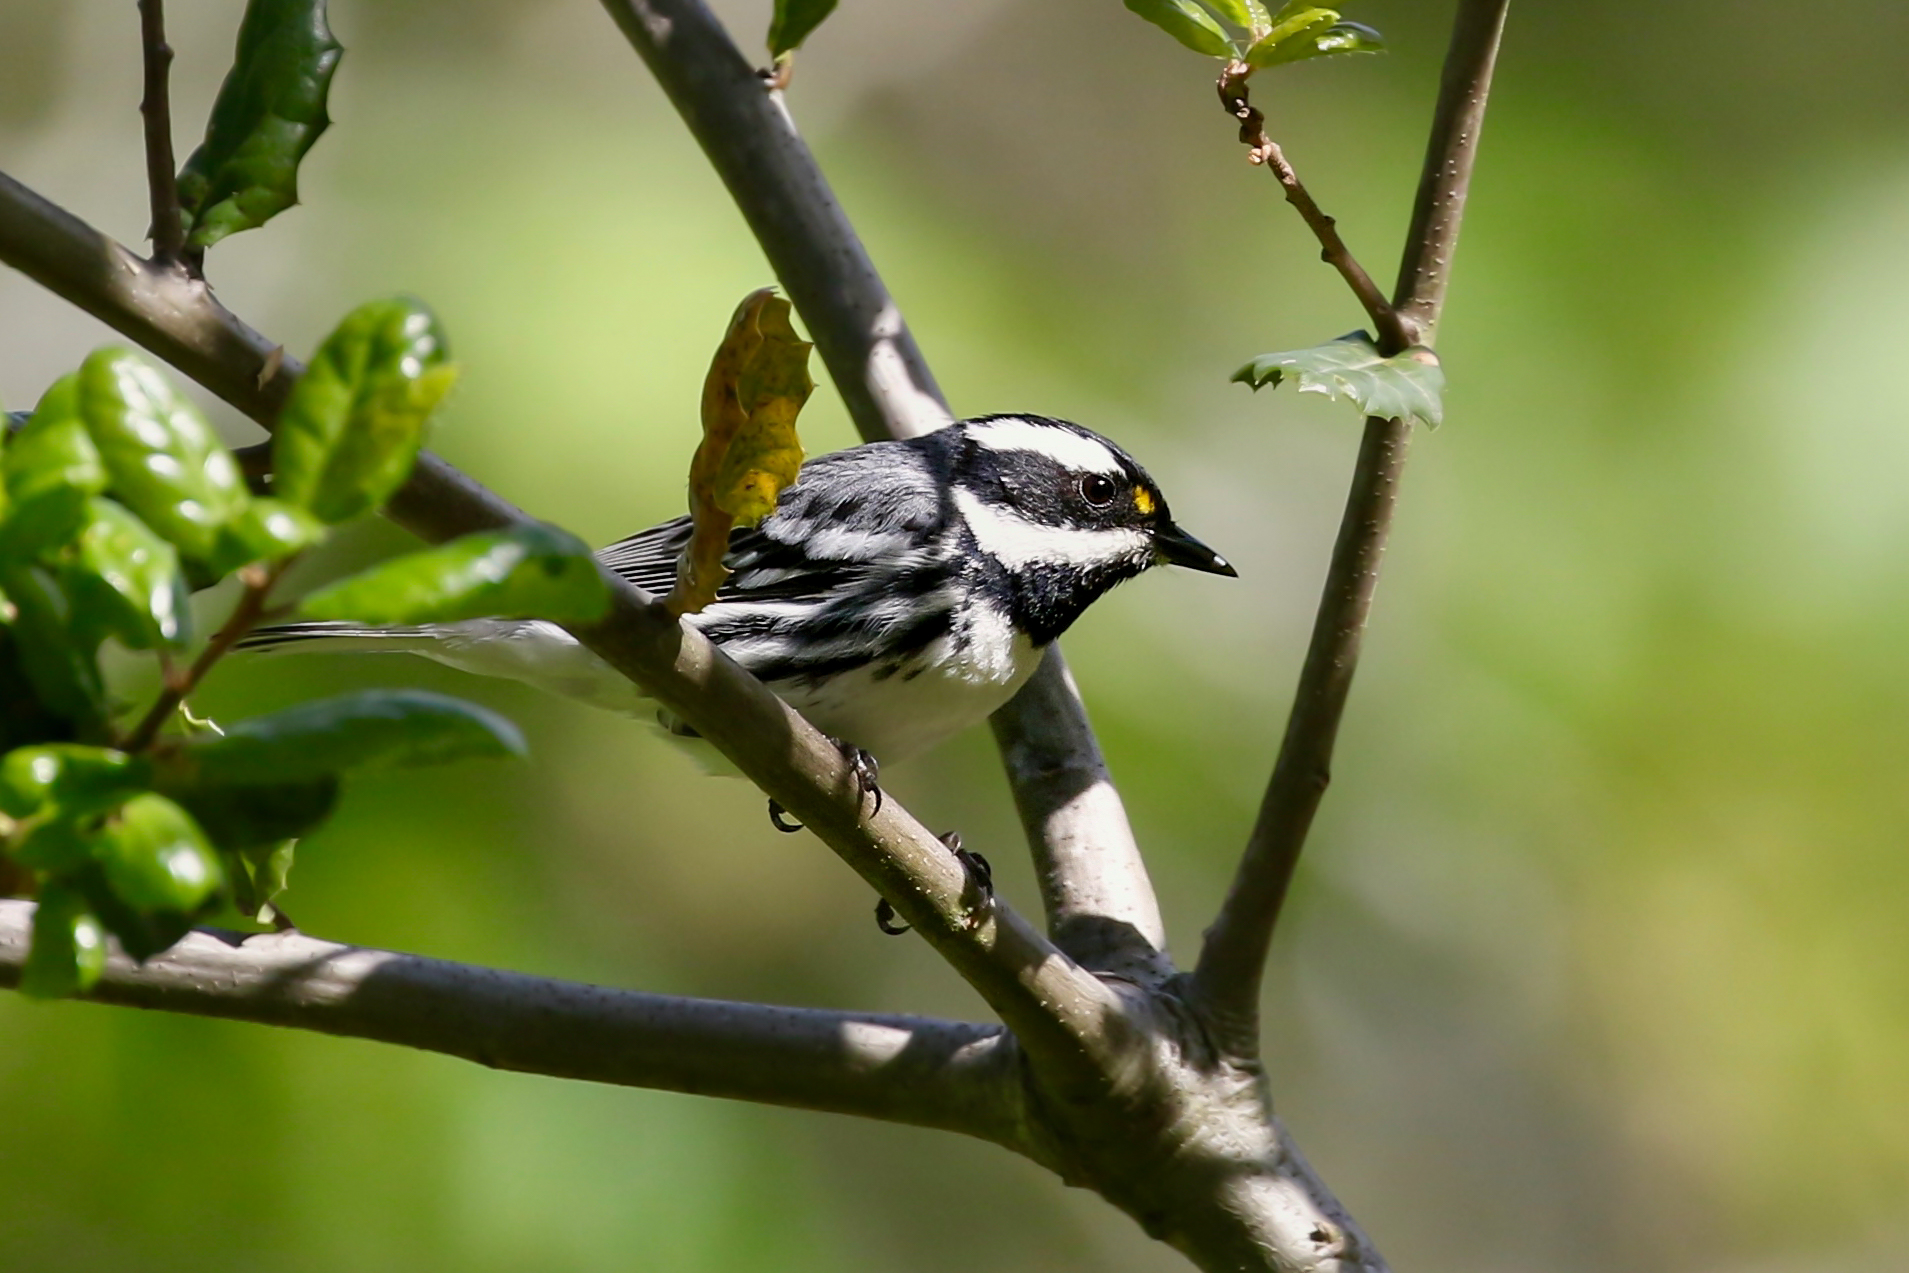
x=1059, y=1012
x=1226, y=982
x=162, y=180
x=943, y=1074
x=1077, y=828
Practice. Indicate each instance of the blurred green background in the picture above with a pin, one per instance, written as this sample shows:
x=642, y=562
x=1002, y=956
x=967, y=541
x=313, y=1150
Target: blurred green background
x=1598, y=959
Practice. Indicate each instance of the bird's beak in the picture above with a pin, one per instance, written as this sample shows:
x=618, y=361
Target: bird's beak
x=1177, y=548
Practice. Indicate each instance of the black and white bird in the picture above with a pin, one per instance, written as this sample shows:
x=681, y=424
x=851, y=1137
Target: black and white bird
x=900, y=592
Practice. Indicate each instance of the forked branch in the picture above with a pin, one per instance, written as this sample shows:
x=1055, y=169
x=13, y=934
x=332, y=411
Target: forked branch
x=1226, y=982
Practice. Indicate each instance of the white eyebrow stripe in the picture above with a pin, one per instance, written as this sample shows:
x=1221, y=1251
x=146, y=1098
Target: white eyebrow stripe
x=1082, y=454
x=1014, y=541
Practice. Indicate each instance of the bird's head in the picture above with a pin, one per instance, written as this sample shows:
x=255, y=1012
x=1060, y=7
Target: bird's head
x=1064, y=513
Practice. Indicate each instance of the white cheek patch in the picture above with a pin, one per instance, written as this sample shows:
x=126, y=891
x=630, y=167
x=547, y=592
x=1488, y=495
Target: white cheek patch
x=1071, y=450
x=1014, y=541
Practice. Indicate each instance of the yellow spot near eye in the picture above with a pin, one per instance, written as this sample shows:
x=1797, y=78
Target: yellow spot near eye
x=1143, y=500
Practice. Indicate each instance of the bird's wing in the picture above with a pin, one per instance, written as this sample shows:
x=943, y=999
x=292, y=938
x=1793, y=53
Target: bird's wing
x=648, y=558
x=765, y=568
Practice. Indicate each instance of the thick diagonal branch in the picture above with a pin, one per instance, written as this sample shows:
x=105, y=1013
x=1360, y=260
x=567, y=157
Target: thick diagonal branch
x=1100, y=902
x=1227, y=980
x=1058, y=1011
x=945, y=1074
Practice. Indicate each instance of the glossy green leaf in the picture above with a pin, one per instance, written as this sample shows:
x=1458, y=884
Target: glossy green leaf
x=70, y=775
x=53, y=450
x=1407, y=386
x=37, y=528
x=529, y=572
x=375, y=729
x=129, y=579
x=69, y=946
x=164, y=461
x=1324, y=36
x=1238, y=12
x=793, y=22
x=269, y=111
x=1186, y=22
x=355, y=421
x=60, y=662
x=155, y=857
x=52, y=844
x=265, y=530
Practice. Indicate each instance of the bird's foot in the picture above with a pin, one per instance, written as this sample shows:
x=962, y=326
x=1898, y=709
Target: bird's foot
x=980, y=879
x=862, y=767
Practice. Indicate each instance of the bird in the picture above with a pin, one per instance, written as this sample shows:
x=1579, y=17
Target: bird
x=899, y=593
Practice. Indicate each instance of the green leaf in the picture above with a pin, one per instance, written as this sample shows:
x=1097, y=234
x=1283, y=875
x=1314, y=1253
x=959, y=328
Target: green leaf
x=269, y=111
x=129, y=578
x=376, y=729
x=165, y=462
x=1186, y=22
x=156, y=858
x=53, y=845
x=528, y=572
x=1407, y=386
x=1324, y=36
x=260, y=876
x=793, y=22
x=69, y=775
x=247, y=815
x=1238, y=12
x=69, y=946
x=53, y=451
x=61, y=664
x=354, y=423
x=24, y=717
x=265, y=530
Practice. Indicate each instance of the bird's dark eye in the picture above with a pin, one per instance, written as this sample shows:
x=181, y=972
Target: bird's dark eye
x=1097, y=490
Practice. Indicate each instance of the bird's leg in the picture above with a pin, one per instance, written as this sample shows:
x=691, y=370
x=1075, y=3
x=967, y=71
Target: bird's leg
x=866, y=772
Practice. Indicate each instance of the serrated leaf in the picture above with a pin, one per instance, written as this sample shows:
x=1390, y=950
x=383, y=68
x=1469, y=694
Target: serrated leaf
x=1186, y=22
x=265, y=530
x=155, y=857
x=60, y=662
x=794, y=21
x=128, y=579
x=354, y=423
x=53, y=451
x=527, y=572
x=259, y=877
x=269, y=111
x=163, y=459
x=1407, y=386
x=69, y=775
x=69, y=946
x=755, y=389
x=375, y=729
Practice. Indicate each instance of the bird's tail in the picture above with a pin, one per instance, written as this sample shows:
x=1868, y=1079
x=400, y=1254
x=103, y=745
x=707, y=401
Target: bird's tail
x=337, y=638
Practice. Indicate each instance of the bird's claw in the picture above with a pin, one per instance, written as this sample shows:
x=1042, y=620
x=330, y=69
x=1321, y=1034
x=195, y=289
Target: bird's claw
x=980, y=875
x=867, y=773
x=778, y=818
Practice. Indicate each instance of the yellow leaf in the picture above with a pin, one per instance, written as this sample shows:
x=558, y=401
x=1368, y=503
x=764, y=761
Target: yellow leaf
x=756, y=386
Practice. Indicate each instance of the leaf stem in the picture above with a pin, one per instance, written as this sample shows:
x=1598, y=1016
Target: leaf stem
x=258, y=580
x=162, y=181
x=1395, y=331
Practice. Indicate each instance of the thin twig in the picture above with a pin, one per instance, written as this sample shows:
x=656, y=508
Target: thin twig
x=1394, y=332
x=1226, y=982
x=946, y=1074
x=176, y=685
x=162, y=180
